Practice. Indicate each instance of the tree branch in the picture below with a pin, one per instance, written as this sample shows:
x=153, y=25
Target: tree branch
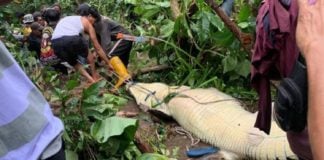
x=244, y=38
x=151, y=69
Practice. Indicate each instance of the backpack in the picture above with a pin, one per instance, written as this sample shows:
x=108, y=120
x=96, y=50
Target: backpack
x=290, y=107
x=47, y=55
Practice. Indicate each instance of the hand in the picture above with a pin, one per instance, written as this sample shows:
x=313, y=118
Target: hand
x=310, y=25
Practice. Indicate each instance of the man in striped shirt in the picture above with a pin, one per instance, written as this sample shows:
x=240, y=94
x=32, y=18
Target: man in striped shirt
x=28, y=128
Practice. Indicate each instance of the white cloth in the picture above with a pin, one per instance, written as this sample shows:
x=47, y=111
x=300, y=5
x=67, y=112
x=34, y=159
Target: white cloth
x=68, y=26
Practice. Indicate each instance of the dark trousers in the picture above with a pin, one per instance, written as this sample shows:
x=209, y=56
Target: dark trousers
x=123, y=51
x=60, y=155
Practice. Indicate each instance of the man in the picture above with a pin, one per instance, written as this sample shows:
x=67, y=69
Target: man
x=47, y=55
x=70, y=46
x=34, y=39
x=26, y=30
x=28, y=129
x=310, y=40
x=107, y=30
x=39, y=19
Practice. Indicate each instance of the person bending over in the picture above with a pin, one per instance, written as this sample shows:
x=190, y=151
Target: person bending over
x=70, y=46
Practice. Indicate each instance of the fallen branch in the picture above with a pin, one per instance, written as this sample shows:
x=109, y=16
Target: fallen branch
x=151, y=69
x=244, y=38
x=126, y=114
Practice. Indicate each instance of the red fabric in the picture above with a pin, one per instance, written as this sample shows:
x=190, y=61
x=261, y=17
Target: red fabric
x=299, y=144
x=275, y=52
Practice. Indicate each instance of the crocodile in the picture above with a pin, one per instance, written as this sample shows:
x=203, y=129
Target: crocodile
x=214, y=117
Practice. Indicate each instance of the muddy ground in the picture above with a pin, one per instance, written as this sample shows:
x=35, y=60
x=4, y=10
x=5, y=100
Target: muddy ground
x=159, y=134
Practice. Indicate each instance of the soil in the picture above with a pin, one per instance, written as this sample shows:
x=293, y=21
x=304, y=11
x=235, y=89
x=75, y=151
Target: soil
x=157, y=134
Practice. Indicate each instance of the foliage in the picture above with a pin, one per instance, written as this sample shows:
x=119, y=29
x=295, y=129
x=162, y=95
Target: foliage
x=89, y=122
x=199, y=48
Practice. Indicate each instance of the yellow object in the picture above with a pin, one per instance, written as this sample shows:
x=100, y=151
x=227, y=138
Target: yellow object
x=26, y=31
x=121, y=71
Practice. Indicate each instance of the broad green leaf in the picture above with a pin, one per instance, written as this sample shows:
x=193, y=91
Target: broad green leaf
x=93, y=89
x=141, y=30
x=103, y=107
x=178, y=24
x=164, y=4
x=113, y=126
x=215, y=21
x=152, y=156
x=229, y=63
x=224, y=38
x=150, y=13
x=243, y=25
x=139, y=10
x=71, y=84
x=244, y=14
x=70, y=155
x=243, y=68
x=130, y=2
x=113, y=99
x=167, y=29
x=204, y=32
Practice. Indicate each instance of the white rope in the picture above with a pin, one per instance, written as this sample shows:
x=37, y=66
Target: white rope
x=182, y=131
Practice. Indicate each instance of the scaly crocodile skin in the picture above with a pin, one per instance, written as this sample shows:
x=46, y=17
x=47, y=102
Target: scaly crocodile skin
x=216, y=118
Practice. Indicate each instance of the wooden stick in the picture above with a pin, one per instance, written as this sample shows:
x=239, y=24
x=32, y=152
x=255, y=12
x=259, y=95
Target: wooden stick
x=244, y=38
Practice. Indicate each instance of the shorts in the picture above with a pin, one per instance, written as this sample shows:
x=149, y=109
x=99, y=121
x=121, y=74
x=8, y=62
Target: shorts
x=123, y=51
x=72, y=49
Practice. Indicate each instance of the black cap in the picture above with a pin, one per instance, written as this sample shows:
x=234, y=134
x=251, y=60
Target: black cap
x=83, y=9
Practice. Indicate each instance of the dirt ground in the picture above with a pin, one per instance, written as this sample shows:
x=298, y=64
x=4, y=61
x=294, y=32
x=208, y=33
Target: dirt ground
x=164, y=135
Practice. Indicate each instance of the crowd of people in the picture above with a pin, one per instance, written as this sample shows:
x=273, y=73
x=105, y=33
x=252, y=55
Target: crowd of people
x=28, y=128
x=57, y=40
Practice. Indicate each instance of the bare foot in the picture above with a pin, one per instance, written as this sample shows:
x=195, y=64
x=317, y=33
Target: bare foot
x=98, y=79
x=96, y=76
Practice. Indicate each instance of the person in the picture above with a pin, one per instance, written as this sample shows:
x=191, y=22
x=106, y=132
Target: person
x=34, y=39
x=57, y=7
x=26, y=30
x=309, y=37
x=47, y=55
x=106, y=31
x=70, y=46
x=28, y=128
x=39, y=19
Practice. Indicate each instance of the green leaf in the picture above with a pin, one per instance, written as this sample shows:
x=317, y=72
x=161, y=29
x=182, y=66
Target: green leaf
x=152, y=156
x=229, y=63
x=114, y=126
x=93, y=89
x=167, y=29
x=150, y=13
x=70, y=155
x=224, y=38
x=244, y=14
x=204, y=32
x=164, y=4
x=113, y=99
x=243, y=25
x=243, y=68
x=215, y=21
x=130, y=2
x=71, y=84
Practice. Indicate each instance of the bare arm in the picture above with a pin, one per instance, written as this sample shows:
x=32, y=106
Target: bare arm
x=92, y=34
x=310, y=39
